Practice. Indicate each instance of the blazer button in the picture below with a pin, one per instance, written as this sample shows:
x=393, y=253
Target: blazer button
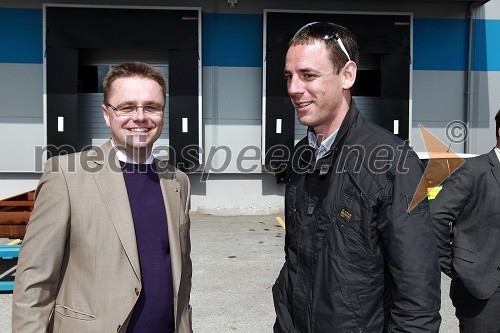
x=498, y=268
x=136, y=292
x=118, y=328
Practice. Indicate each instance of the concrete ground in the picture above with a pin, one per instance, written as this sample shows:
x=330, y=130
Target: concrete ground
x=235, y=262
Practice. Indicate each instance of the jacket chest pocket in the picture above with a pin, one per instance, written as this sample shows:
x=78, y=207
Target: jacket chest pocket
x=349, y=229
x=353, y=219
x=352, y=231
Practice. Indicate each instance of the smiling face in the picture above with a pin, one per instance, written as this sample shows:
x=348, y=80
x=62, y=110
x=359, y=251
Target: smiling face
x=320, y=96
x=134, y=134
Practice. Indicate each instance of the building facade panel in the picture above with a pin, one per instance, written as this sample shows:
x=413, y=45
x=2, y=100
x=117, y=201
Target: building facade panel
x=232, y=61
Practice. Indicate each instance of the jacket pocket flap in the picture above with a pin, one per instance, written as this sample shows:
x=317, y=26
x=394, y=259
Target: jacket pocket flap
x=68, y=312
x=464, y=254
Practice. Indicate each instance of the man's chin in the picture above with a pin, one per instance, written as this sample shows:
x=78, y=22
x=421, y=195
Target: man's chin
x=305, y=122
x=138, y=141
x=140, y=146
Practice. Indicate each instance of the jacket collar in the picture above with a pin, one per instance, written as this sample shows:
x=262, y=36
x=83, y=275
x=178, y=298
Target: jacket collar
x=307, y=158
x=351, y=119
x=493, y=157
x=109, y=180
x=495, y=165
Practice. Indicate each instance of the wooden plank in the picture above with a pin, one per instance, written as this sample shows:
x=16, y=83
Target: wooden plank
x=13, y=223
x=27, y=203
x=30, y=195
x=14, y=217
x=15, y=213
x=12, y=231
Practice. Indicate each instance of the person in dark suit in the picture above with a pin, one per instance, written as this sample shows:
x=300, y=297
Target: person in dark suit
x=470, y=203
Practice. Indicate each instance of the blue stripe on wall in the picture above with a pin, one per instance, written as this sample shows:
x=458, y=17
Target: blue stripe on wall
x=440, y=44
x=21, y=35
x=235, y=40
x=486, y=55
x=232, y=40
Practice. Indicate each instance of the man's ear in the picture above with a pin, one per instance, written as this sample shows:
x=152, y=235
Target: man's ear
x=349, y=73
x=106, y=115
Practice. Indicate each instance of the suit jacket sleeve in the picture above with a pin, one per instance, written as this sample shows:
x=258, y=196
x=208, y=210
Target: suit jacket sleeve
x=186, y=325
x=410, y=252
x=446, y=209
x=42, y=253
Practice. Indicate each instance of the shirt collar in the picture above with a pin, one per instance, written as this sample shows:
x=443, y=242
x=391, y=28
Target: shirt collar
x=325, y=144
x=498, y=153
x=122, y=157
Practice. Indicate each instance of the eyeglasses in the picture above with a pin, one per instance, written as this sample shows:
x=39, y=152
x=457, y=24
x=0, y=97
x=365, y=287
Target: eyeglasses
x=324, y=31
x=130, y=110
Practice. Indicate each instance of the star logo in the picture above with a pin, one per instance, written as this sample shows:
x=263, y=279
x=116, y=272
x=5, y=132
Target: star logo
x=443, y=161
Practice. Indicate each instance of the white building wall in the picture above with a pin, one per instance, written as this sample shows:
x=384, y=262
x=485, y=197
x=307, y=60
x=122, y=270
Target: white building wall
x=21, y=116
x=485, y=97
x=438, y=99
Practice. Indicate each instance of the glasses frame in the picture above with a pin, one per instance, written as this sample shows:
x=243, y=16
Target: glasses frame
x=130, y=114
x=330, y=36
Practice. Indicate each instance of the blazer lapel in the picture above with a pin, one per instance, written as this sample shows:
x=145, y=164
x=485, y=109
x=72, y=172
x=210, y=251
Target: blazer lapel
x=171, y=196
x=111, y=185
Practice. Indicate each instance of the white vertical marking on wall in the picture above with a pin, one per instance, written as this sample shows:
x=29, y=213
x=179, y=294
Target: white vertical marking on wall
x=396, y=126
x=278, y=126
x=184, y=125
x=60, y=124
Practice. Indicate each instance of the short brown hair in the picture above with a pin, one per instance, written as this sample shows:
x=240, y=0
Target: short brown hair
x=131, y=69
x=308, y=34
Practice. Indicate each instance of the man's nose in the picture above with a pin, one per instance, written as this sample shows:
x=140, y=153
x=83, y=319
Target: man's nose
x=295, y=86
x=139, y=114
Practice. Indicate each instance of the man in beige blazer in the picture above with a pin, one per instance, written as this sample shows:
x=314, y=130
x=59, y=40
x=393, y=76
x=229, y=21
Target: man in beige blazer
x=84, y=264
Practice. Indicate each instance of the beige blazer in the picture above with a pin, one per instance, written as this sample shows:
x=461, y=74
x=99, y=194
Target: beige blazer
x=78, y=268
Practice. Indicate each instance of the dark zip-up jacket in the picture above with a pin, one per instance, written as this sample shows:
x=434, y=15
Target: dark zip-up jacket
x=357, y=258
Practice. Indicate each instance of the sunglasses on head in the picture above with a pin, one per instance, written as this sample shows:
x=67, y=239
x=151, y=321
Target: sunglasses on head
x=324, y=31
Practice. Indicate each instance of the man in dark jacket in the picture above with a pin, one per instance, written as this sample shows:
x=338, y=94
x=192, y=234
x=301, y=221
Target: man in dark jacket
x=358, y=256
x=469, y=202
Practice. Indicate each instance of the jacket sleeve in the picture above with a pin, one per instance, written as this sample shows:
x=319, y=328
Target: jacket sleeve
x=446, y=209
x=284, y=322
x=42, y=253
x=409, y=247
x=186, y=322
